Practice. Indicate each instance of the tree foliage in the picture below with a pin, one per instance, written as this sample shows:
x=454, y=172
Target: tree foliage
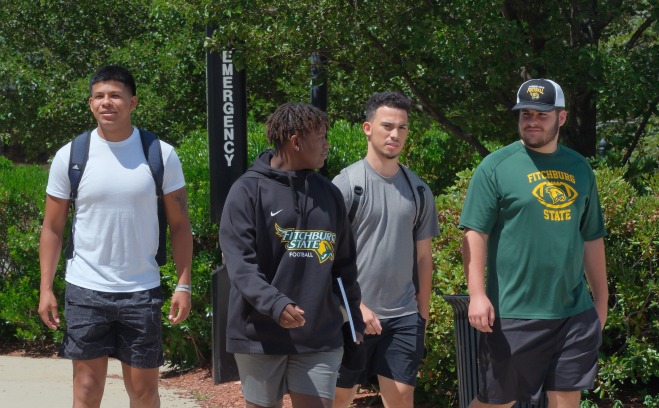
x=49, y=50
x=461, y=61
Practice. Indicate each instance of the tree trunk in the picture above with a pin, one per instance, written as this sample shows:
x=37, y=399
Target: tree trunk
x=585, y=24
x=579, y=132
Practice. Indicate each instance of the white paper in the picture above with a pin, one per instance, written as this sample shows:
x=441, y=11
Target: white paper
x=345, y=302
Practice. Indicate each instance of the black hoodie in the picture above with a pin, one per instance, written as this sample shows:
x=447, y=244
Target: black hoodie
x=286, y=238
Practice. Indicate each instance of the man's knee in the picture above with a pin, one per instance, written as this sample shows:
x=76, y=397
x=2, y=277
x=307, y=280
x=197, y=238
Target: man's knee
x=87, y=391
x=396, y=394
x=343, y=397
x=144, y=397
x=477, y=404
x=141, y=386
x=564, y=399
x=89, y=381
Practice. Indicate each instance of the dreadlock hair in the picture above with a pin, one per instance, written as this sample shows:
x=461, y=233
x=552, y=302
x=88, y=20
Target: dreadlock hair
x=114, y=73
x=294, y=119
x=388, y=99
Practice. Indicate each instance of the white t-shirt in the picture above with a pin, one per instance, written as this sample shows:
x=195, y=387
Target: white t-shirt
x=116, y=219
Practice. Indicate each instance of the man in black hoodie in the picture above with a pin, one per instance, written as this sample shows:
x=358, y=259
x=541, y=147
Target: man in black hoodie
x=290, y=254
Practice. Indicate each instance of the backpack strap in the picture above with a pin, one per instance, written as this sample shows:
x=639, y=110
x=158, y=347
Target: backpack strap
x=419, y=202
x=419, y=198
x=356, y=198
x=77, y=162
x=420, y=189
x=357, y=179
x=153, y=154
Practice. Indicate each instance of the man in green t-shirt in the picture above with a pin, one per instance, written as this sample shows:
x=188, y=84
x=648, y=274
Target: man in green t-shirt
x=532, y=218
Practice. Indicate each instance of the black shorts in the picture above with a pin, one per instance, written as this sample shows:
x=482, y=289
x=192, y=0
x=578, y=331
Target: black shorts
x=522, y=358
x=396, y=353
x=126, y=326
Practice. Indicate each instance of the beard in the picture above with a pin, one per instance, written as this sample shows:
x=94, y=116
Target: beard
x=543, y=140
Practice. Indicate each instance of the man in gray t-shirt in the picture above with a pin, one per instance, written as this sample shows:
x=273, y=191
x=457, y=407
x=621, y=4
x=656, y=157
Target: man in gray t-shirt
x=391, y=225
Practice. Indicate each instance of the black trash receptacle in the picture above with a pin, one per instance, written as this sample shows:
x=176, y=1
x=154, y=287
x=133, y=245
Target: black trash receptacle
x=466, y=351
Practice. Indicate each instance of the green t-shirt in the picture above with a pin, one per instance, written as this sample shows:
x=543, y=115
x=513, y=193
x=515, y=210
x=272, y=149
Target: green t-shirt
x=538, y=209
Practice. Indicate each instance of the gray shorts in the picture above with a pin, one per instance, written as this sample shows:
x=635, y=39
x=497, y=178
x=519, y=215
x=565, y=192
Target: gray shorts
x=125, y=326
x=266, y=378
x=522, y=358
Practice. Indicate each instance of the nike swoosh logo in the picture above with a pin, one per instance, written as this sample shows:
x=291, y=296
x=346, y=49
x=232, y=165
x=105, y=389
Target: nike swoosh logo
x=272, y=214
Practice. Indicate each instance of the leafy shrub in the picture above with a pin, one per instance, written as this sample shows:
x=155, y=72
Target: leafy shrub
x=629, y=358
x=347, y=145
x=22, y=192
x=438, y=375
x=630, y=349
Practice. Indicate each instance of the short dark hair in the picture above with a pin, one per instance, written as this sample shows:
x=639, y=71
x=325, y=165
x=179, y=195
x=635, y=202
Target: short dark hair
x=294, y=119
x=388, y=99
x=114, y=73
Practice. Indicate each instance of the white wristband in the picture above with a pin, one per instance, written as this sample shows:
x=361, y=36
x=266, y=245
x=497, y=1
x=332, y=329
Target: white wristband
x=183, y=288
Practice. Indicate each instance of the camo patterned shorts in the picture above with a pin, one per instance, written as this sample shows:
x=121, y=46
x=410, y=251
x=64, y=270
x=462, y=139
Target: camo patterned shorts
x=125, y=326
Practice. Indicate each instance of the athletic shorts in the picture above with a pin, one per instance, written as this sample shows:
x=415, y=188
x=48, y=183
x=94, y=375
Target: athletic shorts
x=522, y=358
x=125, y=326
x=396, y=353
x=266, y=378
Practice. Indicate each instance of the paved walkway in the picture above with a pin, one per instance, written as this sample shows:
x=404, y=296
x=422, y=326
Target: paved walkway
x=46, y=382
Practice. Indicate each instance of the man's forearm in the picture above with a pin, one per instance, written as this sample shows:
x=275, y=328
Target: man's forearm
x=181, y=239
x=474, y=251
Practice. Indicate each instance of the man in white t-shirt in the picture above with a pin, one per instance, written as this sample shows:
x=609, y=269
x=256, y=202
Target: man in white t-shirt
x=113, y=301
x=393, y=226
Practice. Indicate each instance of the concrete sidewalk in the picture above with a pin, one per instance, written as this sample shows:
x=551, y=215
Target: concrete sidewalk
x=47, y=382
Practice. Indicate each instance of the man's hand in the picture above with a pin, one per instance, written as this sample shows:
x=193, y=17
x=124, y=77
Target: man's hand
x=180, y=308
x=373, y=325
x=481, y=313
x=48, y=309
x=291, y=317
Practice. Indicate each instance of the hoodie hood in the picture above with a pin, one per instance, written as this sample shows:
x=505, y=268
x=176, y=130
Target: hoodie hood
x=262, y=166
x=297, y=181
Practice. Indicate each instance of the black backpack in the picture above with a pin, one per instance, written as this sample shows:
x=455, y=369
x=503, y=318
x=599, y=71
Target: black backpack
x=153, y=154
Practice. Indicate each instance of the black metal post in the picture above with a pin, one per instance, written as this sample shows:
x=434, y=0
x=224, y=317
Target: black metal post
x=319, y=89
x=319, y=81
x=227, y=160
x=466, y=349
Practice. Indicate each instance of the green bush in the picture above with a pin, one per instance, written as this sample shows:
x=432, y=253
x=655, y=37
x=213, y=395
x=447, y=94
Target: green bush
x=347, y=145
x=630, y=349
x=189, y=343
x=438, y=376
x=629, y=358
x=22, y=192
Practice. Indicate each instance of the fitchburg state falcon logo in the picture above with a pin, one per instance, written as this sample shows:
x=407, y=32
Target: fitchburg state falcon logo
x=555, y=191
x=304, y=243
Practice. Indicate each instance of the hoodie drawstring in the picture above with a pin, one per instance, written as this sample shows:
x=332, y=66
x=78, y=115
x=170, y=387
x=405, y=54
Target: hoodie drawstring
x=290, y=184
x=302, y=215
x=305, y=216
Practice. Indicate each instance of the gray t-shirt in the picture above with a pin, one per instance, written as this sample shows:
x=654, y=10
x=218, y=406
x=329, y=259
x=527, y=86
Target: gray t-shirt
x=383, y=228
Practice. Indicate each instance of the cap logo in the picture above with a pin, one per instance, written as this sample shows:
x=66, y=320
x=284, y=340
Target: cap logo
x=536, y=91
